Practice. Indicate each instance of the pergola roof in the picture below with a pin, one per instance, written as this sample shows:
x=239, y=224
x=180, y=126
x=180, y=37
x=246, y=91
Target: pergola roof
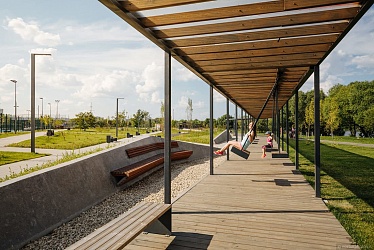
x=245, y=49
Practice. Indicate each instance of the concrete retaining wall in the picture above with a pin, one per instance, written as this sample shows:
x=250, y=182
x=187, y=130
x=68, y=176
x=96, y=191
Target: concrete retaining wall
x=33, y=205
x=222, y=137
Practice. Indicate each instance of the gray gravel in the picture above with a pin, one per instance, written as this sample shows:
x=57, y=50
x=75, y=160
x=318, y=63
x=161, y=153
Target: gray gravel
x=183, y=175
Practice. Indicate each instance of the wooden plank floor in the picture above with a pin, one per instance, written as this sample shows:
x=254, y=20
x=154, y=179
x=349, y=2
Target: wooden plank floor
x=250, y=204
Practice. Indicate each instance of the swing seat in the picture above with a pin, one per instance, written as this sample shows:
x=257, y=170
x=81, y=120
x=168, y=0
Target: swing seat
x=242, y=153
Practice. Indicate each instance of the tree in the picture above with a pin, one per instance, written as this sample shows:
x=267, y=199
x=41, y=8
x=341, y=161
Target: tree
x=330, y=114
x=139, y=118
x=309, y=115
x=85, y=120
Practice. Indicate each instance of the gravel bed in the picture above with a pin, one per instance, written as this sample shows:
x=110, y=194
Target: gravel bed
x=184, y=176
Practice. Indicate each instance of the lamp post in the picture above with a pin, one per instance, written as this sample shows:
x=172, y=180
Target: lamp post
x=117, y=118
x=41, y=98
x=33, y=98
x=15, y=105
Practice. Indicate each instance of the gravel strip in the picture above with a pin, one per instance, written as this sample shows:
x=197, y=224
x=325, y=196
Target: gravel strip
x=151, y=188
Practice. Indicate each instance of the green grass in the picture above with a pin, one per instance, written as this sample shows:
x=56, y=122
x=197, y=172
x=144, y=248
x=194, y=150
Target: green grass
x=202, y=136
x=65, y=158
x=345, y=139
x=11, y=157
x=74, y=139
x=347, y=184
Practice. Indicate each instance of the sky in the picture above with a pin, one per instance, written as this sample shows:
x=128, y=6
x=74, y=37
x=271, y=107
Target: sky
x=97, y=58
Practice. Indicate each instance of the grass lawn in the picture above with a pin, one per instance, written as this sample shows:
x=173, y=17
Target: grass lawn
x=347, y=185
x=345, y=139
x=10, y=157
x=74, y=139
x=201, y=136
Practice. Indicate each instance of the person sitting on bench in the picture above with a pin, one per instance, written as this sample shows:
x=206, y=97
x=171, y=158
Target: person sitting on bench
x=243, y=145
x=269, y=144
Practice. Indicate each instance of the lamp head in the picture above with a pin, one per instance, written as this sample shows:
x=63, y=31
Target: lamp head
x=13, y=81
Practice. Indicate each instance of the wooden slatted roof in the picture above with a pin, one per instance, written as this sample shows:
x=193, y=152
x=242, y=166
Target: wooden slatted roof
x=244, y=48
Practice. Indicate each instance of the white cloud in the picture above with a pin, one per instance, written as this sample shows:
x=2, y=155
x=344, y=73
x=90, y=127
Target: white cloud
x=366, y=61
x=152, y=86
x=118, y=82
x=31, y=32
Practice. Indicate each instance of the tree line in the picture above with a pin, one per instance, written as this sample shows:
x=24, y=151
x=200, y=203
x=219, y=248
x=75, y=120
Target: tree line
x=343, y=107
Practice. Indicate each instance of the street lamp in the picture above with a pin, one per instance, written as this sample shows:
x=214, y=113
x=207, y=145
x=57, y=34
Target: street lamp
x=57, y=101
x=41, y=98
x=117, y=118
x=33, y=98
x=15, y=105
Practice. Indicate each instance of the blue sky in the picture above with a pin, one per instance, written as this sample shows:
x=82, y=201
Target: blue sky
x=97, y=57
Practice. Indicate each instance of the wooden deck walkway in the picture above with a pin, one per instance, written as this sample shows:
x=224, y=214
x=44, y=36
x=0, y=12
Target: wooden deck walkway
x=253, y=204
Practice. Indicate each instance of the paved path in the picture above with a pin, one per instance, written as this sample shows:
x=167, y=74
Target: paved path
x=54, y=153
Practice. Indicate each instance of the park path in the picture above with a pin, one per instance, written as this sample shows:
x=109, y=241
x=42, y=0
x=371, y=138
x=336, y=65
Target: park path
x=54, y=154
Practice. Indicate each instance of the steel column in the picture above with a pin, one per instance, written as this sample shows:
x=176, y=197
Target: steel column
x=167, y=129
x=33, y=103
x=227, y=127
x=242, y=125
x=317, y=152
x=287, y=130
x=282, y=129
x=236, y=122
x=211, y=129
x=297, y=129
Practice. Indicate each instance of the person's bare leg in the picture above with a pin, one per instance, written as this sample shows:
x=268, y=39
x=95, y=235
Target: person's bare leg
x=263, y=152
x=231, y=143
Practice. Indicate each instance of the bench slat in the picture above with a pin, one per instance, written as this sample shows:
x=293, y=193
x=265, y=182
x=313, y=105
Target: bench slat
x=126, y=226
x=120, y=231
x=126, y=236
x=136, y=151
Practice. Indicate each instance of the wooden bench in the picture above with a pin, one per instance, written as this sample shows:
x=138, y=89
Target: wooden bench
x=121, y=231
x=132, y=171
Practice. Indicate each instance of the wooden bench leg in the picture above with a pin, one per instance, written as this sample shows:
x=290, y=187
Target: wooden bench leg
x=162, y=225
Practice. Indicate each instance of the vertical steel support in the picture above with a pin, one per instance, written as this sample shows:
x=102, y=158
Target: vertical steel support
x=32, y=103
x=227, y=127
x=167, y=129
x=236, y=122
x=282, y=129
x=242, y=124
x=211, y=130
x=277, y=119
x=287, y=130
x=317, y=152
x=273, y=118
x=297, y=129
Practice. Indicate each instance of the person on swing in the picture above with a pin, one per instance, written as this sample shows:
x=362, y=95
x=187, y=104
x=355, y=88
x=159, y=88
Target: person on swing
x=243, y=145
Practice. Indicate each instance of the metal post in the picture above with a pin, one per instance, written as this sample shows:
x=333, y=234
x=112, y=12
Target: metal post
x=117, y=118
x=42, y=111
x=287, y=130
x=282, y=129
x=317, y=155
x=236, y=122
x=33, y=103
x=242, y=124
x=277, y=119
x=297, y=129
x=227, y=126
x=167, y=129
x=211, y=130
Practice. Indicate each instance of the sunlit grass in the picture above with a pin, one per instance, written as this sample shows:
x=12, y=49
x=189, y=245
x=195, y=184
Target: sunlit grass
x=65, y=158
x=75, y=139
x=11, y=157
x=196, y=136
x=347, y=185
